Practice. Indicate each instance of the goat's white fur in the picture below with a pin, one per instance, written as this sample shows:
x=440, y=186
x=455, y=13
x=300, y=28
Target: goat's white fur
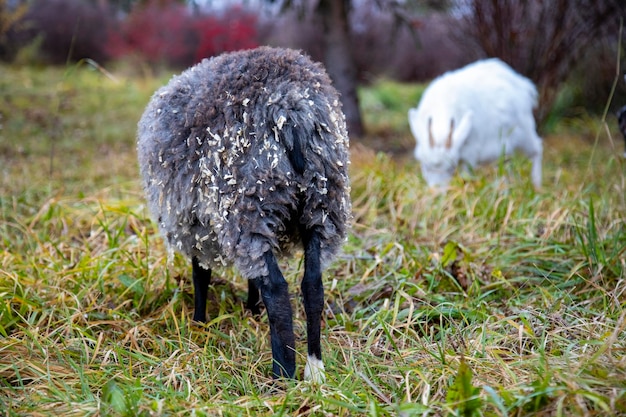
x=472, y=116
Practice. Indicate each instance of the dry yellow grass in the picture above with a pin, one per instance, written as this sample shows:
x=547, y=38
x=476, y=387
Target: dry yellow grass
x=526, y=288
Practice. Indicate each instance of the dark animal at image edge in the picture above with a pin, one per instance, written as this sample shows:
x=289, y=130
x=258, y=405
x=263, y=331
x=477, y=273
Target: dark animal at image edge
x=621, y=119
x=244, y=157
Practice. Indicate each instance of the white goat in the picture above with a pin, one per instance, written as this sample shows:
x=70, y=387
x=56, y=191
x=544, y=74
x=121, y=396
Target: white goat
x=472, y=116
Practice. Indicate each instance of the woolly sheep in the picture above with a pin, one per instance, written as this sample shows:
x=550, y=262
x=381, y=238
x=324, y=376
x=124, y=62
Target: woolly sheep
x=621, y=119
x=471, y=117
x=245, y=157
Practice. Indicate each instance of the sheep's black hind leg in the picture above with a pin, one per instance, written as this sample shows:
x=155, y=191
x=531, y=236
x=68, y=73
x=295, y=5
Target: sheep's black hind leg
x=253, y=297
x=313, y=294
x=275, y=294
x=201, y=280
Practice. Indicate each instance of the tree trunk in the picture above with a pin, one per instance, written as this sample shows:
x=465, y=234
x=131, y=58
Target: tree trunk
x=339, y=61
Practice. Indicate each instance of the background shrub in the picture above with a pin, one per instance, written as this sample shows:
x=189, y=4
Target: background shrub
x=417, y=50
x=190, y=36
x=594, y=75
x=68, y=30
x=11, y=16
x=234, y=28
x=157, y=32
x=170, y=33
x=160, y=33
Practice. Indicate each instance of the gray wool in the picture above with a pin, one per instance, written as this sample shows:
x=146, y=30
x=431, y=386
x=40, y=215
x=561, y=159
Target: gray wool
x=213, y=150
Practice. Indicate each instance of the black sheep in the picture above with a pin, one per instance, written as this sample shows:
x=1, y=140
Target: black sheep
x=244, y=157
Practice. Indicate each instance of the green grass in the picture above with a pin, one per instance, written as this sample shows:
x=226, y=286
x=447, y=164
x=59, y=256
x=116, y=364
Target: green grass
x=493, y=299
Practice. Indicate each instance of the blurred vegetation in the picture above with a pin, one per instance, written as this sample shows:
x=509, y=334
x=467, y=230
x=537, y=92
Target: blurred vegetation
x=413, y=43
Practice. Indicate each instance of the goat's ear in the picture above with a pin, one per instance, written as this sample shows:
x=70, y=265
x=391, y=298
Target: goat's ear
x=462, y=130
x=413, y=122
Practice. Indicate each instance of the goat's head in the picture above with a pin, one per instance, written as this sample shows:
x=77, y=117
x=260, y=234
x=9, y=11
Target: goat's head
x=438, y=146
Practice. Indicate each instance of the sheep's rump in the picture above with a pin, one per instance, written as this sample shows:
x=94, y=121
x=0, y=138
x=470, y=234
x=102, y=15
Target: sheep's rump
x=240, y=150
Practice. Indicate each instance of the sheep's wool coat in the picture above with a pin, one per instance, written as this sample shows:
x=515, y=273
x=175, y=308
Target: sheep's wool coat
x=213, y=148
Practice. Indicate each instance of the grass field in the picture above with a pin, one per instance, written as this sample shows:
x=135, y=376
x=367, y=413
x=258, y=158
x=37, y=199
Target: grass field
x=492, y=299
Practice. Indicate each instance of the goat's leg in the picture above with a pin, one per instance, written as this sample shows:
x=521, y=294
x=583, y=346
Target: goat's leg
x=201, y=279
x=275, y=294
x=253, y=297
x=536, y=157
x=536, y=171
x=533, y=148
x=313, y=294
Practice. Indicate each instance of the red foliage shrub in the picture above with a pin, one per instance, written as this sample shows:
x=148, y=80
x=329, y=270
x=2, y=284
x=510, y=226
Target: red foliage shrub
x=156, y=32
x=166, y=32
x=234, y=29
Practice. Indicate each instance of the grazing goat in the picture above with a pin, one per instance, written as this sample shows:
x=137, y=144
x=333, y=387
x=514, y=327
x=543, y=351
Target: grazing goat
x=244, y=157
x=473, y=116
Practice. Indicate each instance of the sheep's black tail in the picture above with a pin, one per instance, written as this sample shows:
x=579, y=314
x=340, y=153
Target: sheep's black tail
x=296, y=154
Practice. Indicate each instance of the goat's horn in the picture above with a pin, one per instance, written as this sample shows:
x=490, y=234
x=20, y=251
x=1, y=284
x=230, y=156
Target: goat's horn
x=431, y=139
x=449, y=140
